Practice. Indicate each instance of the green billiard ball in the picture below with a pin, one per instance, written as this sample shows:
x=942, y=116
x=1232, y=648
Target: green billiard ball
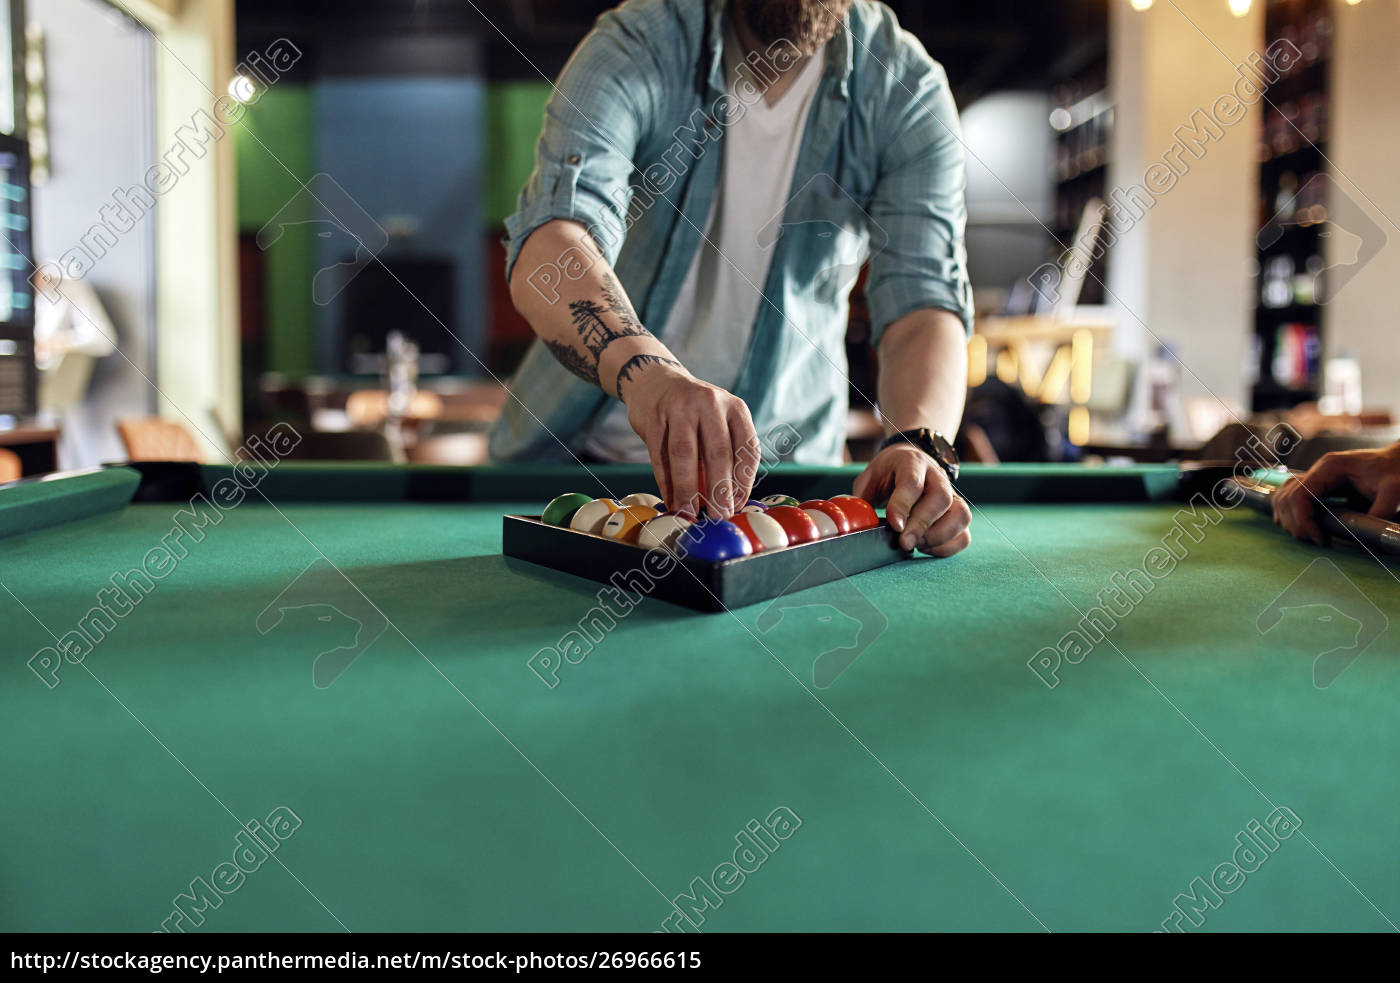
x=772, y=500
x=561, y=511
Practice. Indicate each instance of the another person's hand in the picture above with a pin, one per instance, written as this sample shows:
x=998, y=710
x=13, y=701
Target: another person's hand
x=922, y=506
x=1375, y=474
x=702, y=441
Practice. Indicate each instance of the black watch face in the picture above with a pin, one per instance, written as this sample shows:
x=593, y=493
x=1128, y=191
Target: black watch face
x=944, y=452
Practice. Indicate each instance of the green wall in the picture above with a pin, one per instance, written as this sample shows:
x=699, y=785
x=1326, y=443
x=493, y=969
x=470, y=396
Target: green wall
x=514, y=112
x=281, y=122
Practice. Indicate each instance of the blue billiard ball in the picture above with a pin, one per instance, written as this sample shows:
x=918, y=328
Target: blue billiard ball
x=713, y=540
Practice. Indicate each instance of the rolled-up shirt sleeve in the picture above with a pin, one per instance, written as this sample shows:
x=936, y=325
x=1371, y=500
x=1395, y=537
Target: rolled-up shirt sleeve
x=918, y=255
x=593, y=124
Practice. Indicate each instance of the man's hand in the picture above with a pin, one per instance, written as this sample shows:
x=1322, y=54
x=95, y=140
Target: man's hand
x=1375, y=474
x=702, y=441
x=922, y=507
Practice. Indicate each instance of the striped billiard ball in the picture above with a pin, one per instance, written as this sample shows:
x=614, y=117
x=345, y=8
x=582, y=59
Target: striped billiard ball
x=624, y=524
x=762, y=530
x=833, y=512
x=798, y=524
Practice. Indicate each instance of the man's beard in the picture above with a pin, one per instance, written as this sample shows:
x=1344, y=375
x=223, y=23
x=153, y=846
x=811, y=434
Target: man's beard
x=807, y=24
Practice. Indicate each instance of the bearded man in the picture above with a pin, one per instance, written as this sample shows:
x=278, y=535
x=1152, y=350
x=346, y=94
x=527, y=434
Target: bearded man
x=711, y=176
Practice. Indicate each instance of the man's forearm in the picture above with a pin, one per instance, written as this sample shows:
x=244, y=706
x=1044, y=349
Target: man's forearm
x=923, y=372
x=586, y=321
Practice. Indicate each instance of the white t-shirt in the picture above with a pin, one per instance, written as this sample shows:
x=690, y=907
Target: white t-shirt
x=711, y=322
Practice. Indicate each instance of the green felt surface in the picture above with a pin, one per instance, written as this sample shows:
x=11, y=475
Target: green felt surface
x=442, y=785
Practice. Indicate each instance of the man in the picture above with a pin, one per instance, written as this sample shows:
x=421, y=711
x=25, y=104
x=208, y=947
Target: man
x=1375, y=474
x=709, y=178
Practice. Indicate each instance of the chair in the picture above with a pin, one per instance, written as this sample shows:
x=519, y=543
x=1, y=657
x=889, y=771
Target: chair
x=153, y=439
x=10, y=467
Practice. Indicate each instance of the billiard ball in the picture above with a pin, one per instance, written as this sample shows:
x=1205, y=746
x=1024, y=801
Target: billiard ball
x=713, y=540
x=626, y=522
x=832, y=512
x=753, y=505
x=861, y=513
x=763, y=531
x=771, y=500
x=798, y=524
x=560, y=511
x=643, y=498
x=826, y=526
x=662, y=532
x=591, y=516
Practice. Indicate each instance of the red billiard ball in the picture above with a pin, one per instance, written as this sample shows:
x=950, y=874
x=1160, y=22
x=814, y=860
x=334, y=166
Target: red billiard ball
x=833, y=512
x=861, y=513
x=798, y=524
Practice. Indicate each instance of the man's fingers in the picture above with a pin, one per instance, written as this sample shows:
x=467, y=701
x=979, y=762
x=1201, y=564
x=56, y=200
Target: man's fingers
x=1387, y=501
x=957, y=544
x=656, y=448
x=1300, y=518
x=718, y=456
x=1327, y=473
x=682, y=456
x=947, y=527
x=933, y=506
x=909, y=479
x=748, y=452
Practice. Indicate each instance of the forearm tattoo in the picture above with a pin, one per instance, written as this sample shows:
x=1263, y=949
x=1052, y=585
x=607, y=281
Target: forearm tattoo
x=569, y=357
x=636, y=363
x=595, y=332
x=617, y=303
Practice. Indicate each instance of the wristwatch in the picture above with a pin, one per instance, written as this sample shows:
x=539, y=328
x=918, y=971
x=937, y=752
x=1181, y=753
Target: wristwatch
x=932, y=443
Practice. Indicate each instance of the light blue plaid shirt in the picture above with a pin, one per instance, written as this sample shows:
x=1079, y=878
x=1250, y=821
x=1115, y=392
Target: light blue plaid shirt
x=631, y=150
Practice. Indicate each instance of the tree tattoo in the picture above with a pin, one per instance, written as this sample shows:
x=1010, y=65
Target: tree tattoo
x=569, y=357
x=635, y=363
x=595, y=333
x=617, y=303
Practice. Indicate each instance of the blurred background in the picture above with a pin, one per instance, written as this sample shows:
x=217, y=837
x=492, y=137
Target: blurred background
x=1157, y=271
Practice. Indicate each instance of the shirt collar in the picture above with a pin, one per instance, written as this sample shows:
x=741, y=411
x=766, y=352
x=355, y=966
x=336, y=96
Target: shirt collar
x=838, y=51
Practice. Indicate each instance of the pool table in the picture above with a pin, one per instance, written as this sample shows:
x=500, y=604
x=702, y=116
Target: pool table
x=321, y=705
